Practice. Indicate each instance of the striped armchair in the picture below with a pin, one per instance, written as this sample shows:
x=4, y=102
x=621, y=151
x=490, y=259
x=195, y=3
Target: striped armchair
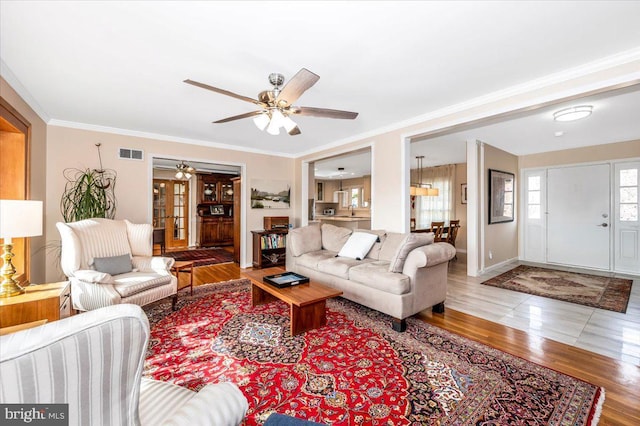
x=110, y=262
x=94, y=363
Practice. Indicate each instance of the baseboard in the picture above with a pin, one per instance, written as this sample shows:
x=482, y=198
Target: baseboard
x=502, y=264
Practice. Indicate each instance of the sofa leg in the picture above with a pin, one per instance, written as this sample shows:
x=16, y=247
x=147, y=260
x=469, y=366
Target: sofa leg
x=438, y=309
x=174, y=302
x=399, y=325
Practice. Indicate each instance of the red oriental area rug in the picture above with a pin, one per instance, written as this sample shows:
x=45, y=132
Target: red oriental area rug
x=585, y=289
x=355, y=370
x=202, y=257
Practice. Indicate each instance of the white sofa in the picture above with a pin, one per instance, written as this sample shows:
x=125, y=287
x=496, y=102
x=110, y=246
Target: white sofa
x=109, y=262
x=400, y=276
x=94, y=363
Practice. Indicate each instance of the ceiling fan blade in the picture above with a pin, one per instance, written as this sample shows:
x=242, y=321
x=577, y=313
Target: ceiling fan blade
x=224, y=92
x=295, y=131
x=324, y=112
x=300, y=82
x=238, y=117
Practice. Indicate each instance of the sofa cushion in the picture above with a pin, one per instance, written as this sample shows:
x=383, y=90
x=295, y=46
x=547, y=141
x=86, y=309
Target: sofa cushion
x=390, y=245
x=376, y=275
x=410, y=242
x=358, y=245
x=135, y=282
x=140, y=237
x=311, y=259
x=113, y=265
x=339, y=266
x=304, y=240
x=334, y=237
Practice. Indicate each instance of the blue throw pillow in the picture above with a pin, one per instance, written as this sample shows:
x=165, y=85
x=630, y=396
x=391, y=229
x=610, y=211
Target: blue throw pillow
x=113, y=265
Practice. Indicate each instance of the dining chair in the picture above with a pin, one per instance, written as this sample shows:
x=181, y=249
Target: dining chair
x=454, y=226
x=438, y=229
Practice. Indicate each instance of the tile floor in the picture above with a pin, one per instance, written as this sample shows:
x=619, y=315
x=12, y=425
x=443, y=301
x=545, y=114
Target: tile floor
x=605, y=332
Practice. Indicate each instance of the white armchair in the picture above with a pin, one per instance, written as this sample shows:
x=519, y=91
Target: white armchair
x=94, y=363
x=110, y=262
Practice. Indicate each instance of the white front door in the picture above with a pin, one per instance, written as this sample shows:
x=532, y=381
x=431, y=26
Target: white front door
x=578, y=210
x=626, y=221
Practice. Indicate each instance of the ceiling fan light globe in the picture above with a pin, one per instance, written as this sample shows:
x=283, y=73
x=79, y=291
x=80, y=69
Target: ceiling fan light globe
x=277, y=118
x=288, y=124
x=179, y=175
x=273, y=129
x=261, y=121
x=187, y=175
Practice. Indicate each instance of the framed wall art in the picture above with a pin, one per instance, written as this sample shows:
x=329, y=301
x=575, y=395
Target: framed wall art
x=270, y=194
x=501, y=200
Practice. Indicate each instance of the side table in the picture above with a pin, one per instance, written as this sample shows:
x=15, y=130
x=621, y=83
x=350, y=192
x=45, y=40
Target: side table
x=40, y=302
x=183, y=266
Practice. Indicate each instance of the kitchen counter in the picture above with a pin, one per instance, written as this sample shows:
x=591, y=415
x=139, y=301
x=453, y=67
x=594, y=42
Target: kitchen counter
x=352, y=222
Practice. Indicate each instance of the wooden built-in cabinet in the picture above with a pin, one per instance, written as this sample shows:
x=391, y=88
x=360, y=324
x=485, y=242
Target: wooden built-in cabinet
x=216, y=195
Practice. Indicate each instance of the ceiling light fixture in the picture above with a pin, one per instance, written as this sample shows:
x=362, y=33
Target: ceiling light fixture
x=184, y=171
x=273, y=119
x=424, y=189
x=573, y=113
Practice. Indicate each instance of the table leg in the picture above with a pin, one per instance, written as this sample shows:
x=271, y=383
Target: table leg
x=259, y=296
x=304, y=318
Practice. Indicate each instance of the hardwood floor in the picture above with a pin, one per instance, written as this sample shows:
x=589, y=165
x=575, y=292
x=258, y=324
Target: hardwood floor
x=621, y=380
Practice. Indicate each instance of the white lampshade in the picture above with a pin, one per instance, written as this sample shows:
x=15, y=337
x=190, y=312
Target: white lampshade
x=261, y=121
x=20, y=218
x=277, y=120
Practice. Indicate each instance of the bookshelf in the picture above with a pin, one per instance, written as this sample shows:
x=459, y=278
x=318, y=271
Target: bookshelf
x=269, y=248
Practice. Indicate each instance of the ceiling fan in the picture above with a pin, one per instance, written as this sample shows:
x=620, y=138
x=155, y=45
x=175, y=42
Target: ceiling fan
x=277, y=104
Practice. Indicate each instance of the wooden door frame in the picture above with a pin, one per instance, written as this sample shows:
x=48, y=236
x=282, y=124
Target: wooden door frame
x=20, y=125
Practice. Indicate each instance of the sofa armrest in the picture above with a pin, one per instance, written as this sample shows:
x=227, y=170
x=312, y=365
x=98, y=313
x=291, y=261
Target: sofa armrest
x=93, y=277
x=87, y=296
x=152, y=263
x=427, y=256
x=221, y=404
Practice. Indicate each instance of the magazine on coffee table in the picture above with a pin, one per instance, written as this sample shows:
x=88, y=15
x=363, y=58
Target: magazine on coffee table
x=286, y=279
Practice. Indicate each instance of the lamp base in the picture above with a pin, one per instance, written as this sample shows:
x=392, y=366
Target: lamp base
x=10, y=289
x=9, y=286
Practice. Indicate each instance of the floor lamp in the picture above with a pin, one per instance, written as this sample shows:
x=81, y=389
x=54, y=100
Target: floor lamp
x=18, y=218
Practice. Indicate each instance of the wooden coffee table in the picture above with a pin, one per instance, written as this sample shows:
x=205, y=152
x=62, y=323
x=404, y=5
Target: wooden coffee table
x=307, y=301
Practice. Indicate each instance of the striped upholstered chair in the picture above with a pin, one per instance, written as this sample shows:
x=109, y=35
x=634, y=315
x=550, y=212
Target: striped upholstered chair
x=110, y=262
x=94, y=362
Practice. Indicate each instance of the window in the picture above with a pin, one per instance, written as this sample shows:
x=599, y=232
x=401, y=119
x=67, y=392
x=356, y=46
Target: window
x=533, y=198
x=440, y=207
x=629, y=195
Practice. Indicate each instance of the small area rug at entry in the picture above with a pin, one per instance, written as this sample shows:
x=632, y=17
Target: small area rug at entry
x=202, y=257
x=584, y=289
x=356, y=369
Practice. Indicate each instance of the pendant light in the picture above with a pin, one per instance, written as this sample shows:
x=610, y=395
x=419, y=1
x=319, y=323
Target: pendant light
x=423, y=189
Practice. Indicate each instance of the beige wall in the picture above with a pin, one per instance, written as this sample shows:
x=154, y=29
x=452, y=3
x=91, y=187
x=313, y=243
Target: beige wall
x=69, y=147
x=611, y=151
x=38, y=167
x=500, y=239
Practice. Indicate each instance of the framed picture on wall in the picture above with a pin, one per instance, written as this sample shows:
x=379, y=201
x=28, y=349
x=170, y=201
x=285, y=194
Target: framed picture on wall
x=463, y=193
x=501, y=187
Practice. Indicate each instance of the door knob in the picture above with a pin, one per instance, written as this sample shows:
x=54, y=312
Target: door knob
x=604, y=225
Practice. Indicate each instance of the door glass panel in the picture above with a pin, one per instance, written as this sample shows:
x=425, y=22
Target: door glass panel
x=179, y=232
x=534, y=183
x=159, y=207
x=629, y=195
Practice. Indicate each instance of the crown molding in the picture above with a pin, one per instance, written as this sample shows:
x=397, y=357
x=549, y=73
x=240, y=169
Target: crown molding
x=16, y=85
x=148, y=135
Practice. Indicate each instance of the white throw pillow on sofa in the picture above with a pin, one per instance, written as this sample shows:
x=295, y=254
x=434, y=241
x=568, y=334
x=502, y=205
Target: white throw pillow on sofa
x=358, y=245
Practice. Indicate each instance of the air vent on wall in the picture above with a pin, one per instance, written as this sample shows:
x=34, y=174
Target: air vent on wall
x=130, y=154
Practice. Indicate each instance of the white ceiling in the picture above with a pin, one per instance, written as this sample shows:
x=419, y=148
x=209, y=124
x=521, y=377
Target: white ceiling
x=121, y=64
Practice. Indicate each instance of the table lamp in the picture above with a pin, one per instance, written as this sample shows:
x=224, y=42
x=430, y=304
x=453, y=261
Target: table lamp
x=18, y=218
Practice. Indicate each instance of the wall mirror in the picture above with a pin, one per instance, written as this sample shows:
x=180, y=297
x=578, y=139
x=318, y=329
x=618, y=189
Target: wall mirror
x=501, y=185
